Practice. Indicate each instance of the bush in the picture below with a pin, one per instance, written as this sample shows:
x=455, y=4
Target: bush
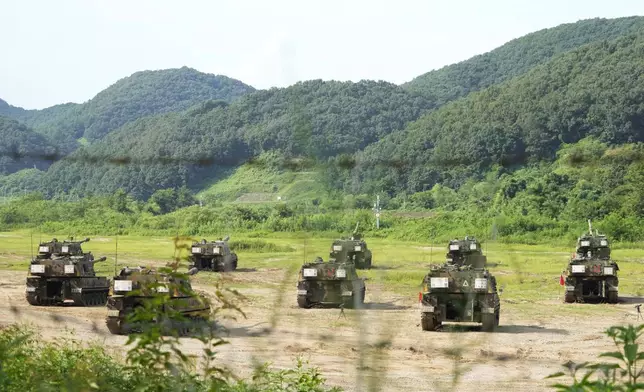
x=258, y=246
x=29, y=364
x=154, y=360
x=624, y=373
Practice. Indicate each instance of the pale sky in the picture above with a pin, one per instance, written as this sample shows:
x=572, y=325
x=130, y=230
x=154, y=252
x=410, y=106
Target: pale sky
x=57, y=51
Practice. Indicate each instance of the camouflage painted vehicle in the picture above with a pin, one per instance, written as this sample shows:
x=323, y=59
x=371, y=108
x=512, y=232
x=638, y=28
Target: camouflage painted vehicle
x=461, y=291
x=330, y=283
x=591, y=274
x=213, y=256
x=352, y=250
x=62, y=273
x=132, y=287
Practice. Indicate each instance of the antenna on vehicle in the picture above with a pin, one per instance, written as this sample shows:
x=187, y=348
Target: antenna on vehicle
x=116, y=253
x=32, y=244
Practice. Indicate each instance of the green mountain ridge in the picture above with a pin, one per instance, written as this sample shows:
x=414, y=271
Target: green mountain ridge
x=517, y=57
x=141, y=94
x=11, y=111
x=596, y=90
x=173, y=128
x=316, y=119
x=22, y=148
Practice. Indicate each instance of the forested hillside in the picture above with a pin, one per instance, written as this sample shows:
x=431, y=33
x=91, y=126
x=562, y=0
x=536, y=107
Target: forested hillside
x=517, y=57
x=11, y=111
x=315, y=119
x=141, y=94
x=22, y=148
x=527, y=158
x=596, y=90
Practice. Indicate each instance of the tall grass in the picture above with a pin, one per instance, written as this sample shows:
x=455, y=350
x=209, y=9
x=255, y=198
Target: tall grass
x=27, y=363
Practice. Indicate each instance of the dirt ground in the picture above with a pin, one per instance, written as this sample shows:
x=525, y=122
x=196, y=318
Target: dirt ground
x=390, y=349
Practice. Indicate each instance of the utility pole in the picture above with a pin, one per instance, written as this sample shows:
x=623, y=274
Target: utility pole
x=376, y=210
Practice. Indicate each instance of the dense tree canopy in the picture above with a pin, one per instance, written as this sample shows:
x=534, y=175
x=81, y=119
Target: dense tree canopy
x=22, y=148
x=11, y=111
x=596, y=90
x=487, y=133
x=517, y=57
x=316, y=119
x=141, y=94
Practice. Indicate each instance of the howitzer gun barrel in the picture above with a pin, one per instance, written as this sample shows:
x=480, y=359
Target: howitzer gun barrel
x=71, y=241
x=101, y=259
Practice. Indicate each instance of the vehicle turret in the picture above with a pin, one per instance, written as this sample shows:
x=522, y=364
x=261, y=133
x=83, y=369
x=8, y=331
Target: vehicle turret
x=352, y=250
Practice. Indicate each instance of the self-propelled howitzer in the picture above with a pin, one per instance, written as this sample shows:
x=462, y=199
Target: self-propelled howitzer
x=329, y=283
x=591, y=274
x=181, y=308
x=63, y=273
x=462, y=291
x=213, y=256
x=352, y=250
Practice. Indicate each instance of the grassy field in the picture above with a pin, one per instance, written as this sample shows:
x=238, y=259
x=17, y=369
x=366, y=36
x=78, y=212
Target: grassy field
x=526, y=273
x=252, y=184
x=537, y=329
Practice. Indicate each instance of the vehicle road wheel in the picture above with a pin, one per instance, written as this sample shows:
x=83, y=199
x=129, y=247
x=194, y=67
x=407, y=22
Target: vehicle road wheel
x=303, y=302
x=33, y=300
x=114, y=325
x=569, y=297
x=362, y=295
x=428, y=322
x=234, y=264
x=489, y=321
x=612, y=297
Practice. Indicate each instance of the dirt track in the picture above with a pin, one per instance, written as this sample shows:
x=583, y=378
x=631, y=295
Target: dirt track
x=517, y=357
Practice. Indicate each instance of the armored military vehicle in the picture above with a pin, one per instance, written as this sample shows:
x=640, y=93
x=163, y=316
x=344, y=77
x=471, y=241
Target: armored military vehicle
x=63, y=273
x=330, y=283
x=461, y=291
x=213, y=256
x=591, y=275
x=132, y=287
x=352, y=250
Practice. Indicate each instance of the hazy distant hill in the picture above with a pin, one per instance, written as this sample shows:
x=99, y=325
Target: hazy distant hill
x=315, y=118
x=11, y=111
x=517, y=57
x=596, y=90
x=141, y=94
x=552, y=86
x=21, y=148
